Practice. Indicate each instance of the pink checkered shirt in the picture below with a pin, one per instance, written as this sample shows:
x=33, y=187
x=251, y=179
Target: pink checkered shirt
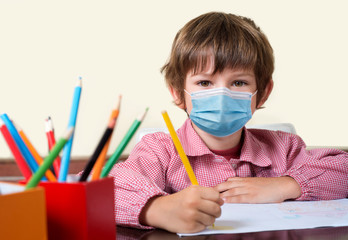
x=154, y=168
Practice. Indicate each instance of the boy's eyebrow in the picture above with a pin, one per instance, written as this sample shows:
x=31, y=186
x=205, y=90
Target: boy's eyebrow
x=244, y=74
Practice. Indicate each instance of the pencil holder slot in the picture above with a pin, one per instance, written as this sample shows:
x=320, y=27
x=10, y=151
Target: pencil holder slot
x=22, y=213
x=81, y=210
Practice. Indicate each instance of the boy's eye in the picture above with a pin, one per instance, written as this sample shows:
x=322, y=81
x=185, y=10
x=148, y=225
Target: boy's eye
x=238, y=84
x=204, y=83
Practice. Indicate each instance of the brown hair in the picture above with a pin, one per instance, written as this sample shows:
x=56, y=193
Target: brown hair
x=234, y=42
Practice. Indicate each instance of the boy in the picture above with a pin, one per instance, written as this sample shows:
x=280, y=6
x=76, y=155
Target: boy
x=219, y=72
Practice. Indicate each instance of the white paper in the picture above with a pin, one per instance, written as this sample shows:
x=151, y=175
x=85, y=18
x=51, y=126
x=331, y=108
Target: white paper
x=9, y=188
x=242, y=218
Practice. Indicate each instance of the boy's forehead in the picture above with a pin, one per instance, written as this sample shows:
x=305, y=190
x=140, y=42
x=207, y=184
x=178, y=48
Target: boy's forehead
x=206, y=65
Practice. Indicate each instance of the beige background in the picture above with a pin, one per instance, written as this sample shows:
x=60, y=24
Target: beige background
x=118, y=47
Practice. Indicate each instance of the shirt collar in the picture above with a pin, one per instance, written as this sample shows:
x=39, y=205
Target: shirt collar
x=253, y=150
x=191, y=142
x=252, y=147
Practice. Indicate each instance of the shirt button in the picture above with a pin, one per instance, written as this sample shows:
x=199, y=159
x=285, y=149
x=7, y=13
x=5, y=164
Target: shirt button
x=234, y=165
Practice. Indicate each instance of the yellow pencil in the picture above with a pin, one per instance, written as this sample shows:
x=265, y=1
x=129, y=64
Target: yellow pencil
x=180, y=149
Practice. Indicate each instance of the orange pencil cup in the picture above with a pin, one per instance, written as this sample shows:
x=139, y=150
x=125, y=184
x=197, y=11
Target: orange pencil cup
x=22, y=212
x=81, y=210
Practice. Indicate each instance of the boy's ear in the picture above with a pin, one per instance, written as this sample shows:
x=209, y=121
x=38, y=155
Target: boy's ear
x=176, y=97
x=266, y=93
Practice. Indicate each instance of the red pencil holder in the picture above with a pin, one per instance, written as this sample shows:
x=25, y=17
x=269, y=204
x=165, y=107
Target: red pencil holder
x=81, y=210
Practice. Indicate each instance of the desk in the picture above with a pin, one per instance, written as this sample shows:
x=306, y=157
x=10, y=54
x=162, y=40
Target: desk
x=339, y=233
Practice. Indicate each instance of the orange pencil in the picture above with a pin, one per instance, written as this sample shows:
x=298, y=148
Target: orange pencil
x=101, y=159
x=50, y=176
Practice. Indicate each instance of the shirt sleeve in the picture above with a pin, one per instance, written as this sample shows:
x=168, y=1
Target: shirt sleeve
x=321, y=173
x=139, y=178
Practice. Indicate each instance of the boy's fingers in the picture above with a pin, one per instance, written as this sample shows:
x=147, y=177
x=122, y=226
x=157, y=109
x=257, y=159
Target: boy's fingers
x=243, y=198
x=222, y=187
x=233, y=192
x=210, y=208
x=210, y=194
x=206, y=219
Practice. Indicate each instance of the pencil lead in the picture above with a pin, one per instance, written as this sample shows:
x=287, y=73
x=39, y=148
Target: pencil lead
x=119, y=101
x=79, y=82
x=141, y=117
x=48, y=125
x=68, y=133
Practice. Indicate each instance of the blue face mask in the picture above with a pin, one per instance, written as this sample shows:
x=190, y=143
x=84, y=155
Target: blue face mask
x=220, y=111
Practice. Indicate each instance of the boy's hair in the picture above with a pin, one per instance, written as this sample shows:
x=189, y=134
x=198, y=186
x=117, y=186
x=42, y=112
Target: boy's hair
x=233, y=41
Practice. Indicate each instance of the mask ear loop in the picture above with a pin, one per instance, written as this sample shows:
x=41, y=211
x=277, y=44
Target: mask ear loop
x=188, y=115
x=254, y=93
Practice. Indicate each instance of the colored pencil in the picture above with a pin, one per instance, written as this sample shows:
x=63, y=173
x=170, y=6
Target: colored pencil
x=115, y=156
x=22, y=165
x=50, y=176
x=95, y=155
x=64, y=167
x=180, y=149
x=102, y=156
x=35, y=179
x=19, y=142
x=51, y=141
x=100, y=161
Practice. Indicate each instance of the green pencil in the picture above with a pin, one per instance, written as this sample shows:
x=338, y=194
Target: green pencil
x=48, y=161
x=116, y=155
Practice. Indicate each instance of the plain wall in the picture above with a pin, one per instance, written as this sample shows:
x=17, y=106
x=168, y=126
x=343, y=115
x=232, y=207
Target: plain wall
x=118, y=47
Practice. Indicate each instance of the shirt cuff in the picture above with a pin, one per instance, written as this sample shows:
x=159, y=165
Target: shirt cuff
x=305, y=177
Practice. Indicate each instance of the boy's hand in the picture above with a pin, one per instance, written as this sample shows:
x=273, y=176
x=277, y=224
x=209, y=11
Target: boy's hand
x=190, y=210
x=258, y=189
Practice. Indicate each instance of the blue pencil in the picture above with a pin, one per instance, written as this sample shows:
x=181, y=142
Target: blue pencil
x=20, y=143
x=72, y=122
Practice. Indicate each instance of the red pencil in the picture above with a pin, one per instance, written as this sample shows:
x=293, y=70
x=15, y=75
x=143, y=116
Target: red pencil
x=51, y=141
x=21, y=163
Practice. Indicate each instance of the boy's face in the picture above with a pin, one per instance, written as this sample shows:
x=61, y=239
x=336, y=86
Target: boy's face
x=233, y=79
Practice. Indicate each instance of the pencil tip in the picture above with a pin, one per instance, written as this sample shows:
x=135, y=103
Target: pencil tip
x=119, y=101
x=142, y=116
x=68, y=133
x=79, y=82
x=48, y=125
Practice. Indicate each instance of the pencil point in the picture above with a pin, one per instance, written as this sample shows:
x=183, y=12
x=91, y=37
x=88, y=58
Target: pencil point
x=68, y=133
x=141, y=118
x=79, y=82
x=48, y=125
x=17, y=126
x=119, y=101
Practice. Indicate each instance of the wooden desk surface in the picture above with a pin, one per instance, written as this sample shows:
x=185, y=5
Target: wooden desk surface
x=332, y=233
